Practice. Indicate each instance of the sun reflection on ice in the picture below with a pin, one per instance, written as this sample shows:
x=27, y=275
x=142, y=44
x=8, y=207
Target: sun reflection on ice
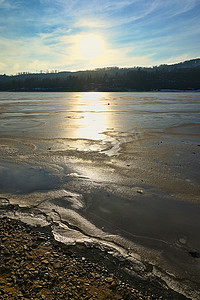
x=94, y=120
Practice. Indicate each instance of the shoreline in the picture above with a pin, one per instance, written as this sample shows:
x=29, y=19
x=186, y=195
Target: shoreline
x=35, y=266
x=102, y=91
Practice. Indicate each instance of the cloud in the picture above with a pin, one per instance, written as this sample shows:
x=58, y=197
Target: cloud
x=176, y=59
x=176, y=7
x=121, y=58
x=22, y=55
x=35, y=54
x=3, y=3
x=45, y=34
x=92, y=23
x=2, y=67
x=113, y=14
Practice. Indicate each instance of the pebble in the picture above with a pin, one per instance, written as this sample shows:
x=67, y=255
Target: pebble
x=182, y=241
x=35, y=270
x=140, y=191
x=45, y=262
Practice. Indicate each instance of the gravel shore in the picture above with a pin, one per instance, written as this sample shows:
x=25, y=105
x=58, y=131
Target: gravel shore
x=33, y=266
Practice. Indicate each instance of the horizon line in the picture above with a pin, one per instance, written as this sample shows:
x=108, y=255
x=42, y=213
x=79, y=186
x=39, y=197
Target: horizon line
x=57, y=71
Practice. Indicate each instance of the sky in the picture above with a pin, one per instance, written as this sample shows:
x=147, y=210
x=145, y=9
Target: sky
x=71, y=35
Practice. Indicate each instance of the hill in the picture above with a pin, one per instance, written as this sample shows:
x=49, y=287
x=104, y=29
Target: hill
x=180, y=76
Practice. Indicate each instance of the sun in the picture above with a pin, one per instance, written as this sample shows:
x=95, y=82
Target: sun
x=91, y=45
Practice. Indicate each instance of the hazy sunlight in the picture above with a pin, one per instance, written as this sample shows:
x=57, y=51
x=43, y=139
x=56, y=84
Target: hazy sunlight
x=94, y=120
x=91, y=45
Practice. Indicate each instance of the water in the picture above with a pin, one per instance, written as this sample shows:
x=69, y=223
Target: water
x=121, y=169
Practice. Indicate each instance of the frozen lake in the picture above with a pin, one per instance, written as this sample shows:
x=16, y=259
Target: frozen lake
x=122, y=168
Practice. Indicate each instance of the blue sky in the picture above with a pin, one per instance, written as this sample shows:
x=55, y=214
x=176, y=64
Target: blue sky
x=65, y=34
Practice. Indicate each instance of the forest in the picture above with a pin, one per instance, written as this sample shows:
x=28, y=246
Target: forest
x=182, y=76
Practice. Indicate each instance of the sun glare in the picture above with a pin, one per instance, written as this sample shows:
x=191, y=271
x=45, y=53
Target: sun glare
x=91, y=45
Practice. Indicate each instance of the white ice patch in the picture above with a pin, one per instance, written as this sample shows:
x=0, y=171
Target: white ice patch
x=36, y=198
x=76, y=175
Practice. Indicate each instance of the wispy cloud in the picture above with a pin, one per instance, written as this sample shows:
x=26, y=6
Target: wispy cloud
x=45, y=34
x=6, y=4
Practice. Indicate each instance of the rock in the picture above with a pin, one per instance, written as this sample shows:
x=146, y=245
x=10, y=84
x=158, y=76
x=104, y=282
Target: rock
x=113, y=285
x=20, y=281
x=46, y=276
x=41, y=239
x=58, y=266
x=35, y=272
x=194, y=254
x=45, y=262
x=14, y=279
x=140, y=191
x=109, y=279
x=25, y=277
x=34, y=245
x=182, y=241
x=4, y=202
x=31, y=270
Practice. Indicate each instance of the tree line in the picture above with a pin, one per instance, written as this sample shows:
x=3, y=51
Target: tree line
x=107, y=79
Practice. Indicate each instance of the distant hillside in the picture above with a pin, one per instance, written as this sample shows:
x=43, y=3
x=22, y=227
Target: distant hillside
x=181, y=76
x=193, y=63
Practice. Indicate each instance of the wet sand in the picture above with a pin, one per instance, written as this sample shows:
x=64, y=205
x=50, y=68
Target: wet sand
x=123, y=178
